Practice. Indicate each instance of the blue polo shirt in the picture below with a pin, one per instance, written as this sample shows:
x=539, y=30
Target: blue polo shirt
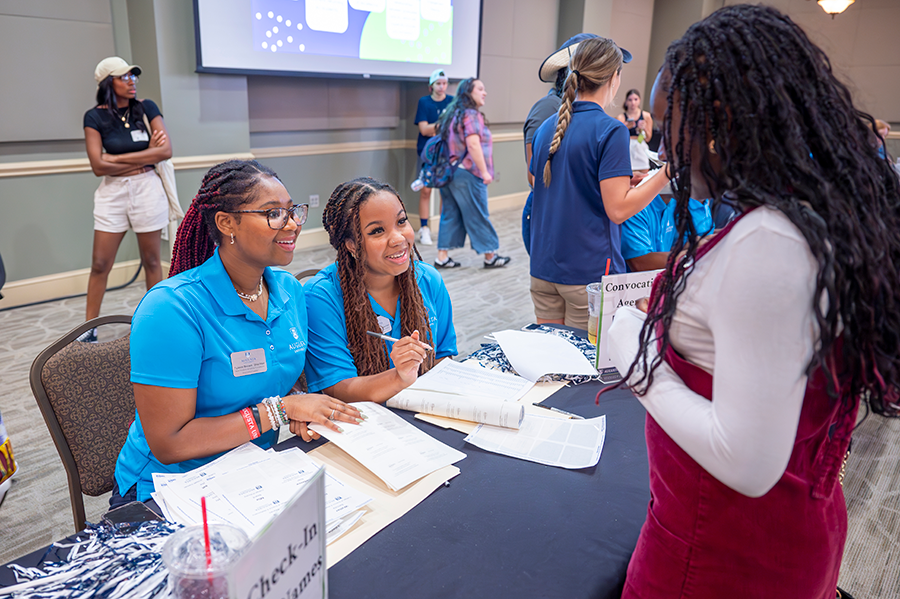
x=653, y=228
x=329, y=360
x=185, y=334
x=571, y=236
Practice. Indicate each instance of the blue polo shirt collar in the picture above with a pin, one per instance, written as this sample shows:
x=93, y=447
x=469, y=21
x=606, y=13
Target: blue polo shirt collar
x=214, y=276
x=582, y=106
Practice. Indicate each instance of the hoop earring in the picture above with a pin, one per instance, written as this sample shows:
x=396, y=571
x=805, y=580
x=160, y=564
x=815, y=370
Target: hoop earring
x=232, y=239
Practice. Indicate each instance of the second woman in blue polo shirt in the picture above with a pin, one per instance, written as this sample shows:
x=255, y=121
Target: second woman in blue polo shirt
x=378, y=284
x=582, y=188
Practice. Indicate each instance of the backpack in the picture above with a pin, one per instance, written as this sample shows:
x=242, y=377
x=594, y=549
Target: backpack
x=438, y=166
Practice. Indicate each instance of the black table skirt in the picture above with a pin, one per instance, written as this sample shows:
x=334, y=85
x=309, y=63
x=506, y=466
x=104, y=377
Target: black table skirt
x=506, y=527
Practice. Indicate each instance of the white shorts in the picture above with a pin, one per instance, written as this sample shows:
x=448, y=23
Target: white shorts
x=137, y=202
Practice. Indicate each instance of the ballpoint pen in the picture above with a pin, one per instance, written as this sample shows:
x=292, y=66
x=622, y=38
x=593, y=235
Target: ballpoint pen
x=389, y=338
x=558, y=411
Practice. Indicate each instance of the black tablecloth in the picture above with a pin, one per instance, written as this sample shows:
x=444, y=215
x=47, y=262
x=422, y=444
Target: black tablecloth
x=507, y=527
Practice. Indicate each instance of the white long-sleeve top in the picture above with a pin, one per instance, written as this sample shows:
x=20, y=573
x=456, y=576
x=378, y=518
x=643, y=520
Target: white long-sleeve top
x=746, y=318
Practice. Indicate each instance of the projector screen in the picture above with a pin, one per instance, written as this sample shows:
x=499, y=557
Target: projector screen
x=394, y=39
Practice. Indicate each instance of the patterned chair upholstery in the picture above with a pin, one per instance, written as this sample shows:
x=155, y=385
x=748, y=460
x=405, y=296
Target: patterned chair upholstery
x=85, y=394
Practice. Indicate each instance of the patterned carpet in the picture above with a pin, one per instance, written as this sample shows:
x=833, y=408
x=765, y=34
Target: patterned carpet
x=36, y=510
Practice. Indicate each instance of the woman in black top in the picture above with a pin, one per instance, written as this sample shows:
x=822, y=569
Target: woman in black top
x=131, y=195
x=640, y=130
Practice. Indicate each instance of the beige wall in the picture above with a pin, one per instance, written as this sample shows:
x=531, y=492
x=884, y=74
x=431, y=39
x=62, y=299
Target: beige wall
x=863, y=44
x=516, y=38
x=671, y=18
x=630, y=27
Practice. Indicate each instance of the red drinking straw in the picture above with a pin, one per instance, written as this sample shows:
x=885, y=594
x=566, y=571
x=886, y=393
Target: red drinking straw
x=206, y=538
x=607, y=267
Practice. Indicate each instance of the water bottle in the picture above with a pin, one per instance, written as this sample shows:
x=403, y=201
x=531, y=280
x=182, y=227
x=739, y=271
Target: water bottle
x=417, y=185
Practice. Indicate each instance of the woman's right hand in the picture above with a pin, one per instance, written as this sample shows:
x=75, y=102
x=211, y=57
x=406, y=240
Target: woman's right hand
x=158, y=138
x=318, y=408
x=407, y=354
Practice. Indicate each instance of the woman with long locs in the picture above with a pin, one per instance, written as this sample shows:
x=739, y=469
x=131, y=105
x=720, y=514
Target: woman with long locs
x=759, y=346
x=378, y=284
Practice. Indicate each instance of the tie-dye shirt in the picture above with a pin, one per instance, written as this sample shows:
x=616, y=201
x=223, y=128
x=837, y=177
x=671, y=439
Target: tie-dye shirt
x=472, y=124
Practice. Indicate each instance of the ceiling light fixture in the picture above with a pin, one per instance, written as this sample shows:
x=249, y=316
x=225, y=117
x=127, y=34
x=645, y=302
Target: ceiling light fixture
x=834, y=7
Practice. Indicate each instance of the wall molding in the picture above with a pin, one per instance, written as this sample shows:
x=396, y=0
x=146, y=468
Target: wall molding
x=83, y=165
x=26, y=291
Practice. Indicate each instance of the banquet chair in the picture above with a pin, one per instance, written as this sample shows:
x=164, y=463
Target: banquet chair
x=85, y=394
x=305, y=274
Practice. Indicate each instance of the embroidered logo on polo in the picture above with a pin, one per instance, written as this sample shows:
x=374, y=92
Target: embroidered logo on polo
x=294, y=333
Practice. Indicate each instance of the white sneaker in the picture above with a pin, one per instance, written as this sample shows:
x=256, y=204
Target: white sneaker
x=425, y=236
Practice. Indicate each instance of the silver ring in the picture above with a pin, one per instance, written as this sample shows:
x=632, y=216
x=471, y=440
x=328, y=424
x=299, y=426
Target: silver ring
x=332, y=414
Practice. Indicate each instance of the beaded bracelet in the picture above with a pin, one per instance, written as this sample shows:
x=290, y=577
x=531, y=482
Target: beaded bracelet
x=272, y=420
x=276, y=405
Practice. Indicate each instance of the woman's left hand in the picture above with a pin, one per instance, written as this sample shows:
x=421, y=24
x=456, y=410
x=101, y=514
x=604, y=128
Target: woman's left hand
x=158, y=138
x=318, y=408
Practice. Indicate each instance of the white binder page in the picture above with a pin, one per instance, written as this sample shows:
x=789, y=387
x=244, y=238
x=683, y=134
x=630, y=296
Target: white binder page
x=564, y=443
x=463, y=378
x=394, y=450
x=485, y=410
x=536, y=354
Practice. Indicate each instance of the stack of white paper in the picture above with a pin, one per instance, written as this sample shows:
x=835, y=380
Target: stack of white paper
x=247, y=487
x=466, y=392
x=392, y=449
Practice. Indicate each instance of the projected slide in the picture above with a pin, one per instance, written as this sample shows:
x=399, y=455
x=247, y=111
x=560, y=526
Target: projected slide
x=410, y=31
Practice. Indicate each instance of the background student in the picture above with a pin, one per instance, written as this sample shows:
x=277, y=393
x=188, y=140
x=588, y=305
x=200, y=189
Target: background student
x=428, y=111
x=131, y=195
x=216, y=345
x=582, y=188
x=378, y=283
x=760, y=344
x=640, y=131
x=464, y=200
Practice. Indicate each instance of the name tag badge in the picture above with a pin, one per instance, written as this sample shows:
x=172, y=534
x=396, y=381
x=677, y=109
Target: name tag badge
x=247, y=362
x=137, y=136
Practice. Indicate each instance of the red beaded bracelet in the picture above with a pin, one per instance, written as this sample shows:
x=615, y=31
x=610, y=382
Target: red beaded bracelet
x=251, y=423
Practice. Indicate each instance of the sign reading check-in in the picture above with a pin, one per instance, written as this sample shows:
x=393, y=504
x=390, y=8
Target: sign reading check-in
x=287, y=561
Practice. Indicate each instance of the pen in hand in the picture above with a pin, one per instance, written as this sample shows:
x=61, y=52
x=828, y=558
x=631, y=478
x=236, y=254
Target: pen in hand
x=389, y=338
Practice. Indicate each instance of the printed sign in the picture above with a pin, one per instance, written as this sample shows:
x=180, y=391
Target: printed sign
x=618, y=290
x=288, y=558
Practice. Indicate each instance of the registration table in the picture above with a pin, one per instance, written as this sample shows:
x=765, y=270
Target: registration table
x=506, y=527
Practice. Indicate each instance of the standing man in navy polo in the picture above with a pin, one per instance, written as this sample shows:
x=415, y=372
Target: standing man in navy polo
x=427, y=112
x=550, y=72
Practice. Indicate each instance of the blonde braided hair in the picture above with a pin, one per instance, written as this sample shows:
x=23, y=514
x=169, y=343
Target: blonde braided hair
x=593, y=65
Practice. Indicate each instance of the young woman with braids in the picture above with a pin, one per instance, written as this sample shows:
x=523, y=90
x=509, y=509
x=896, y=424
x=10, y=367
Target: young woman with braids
x=759, y=345
x=464, y=201
x=378, y=284
x=582, y=188
x=215, y=345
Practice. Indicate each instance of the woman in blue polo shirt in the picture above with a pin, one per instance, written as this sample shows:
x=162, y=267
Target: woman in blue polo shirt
x=376, y=285
x=208, y=345
x=582, y=192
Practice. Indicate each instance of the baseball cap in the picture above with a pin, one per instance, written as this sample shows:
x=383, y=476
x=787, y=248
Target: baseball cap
x=437, y=74
x=560, y=59
x=114, y=66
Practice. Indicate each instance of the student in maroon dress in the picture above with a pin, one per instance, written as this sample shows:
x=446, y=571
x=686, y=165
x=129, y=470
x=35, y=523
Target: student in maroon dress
x=759, y=346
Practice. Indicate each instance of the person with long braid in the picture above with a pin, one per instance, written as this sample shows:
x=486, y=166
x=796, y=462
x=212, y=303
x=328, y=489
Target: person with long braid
x=582, y=187
x=759, y=345
x=377, y=284
x=216, y=346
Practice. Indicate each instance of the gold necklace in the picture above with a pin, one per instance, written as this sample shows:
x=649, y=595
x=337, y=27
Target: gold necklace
x=125, y=116
x=251, y=297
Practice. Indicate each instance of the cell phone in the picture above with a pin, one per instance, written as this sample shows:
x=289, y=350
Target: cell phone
x=131, y=513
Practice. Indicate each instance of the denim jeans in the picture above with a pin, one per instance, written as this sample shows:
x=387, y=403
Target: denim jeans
x=464, y=209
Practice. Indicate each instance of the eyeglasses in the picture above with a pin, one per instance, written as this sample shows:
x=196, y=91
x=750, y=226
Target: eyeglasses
x=128, y=78
x=278, y=217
